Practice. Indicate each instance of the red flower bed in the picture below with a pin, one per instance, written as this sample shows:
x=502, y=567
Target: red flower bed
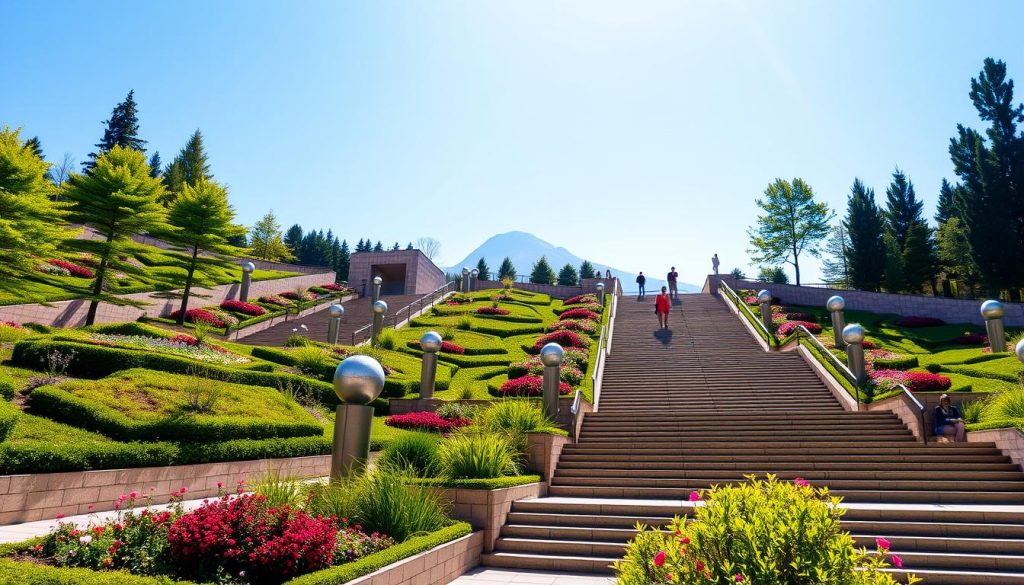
x=566, y=339
x=459, y=300
x=868, y=344
x=529, y=386
x=579, y=314
x=970, y=339
x=243, y=307
x=790, y=326
x=914, y=322
x=74, y=269
x=588, y=298
x=185, y=339
x=914, y=381
x=197, y=315
x=275, y=300
x=333, y=286
x=231, y=535
x=446, y=347
x=294, y=296
x=426, y=421
x=492, y=311
x=10, y=324
x=578, y=325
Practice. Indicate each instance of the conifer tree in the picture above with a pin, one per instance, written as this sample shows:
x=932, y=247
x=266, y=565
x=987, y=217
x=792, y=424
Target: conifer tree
x=34, y=145
x=586, y=270
x=792, y=223
x=344, y=261
x=378, y=247
x=910, y=233
x=194, y=162
x=265, y=241
x=155, y=170
x=122, y=130
x=506, y=270
x=118, y=199
x=293, y=239
x=864, y=228
x=568, y=276
x=836, y=267
x=396, y=247
x=542, y=272
x=174, y=179
x=946, y=207
x=483, y=270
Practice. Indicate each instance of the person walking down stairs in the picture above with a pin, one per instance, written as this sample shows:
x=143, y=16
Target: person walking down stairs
x=662, y=306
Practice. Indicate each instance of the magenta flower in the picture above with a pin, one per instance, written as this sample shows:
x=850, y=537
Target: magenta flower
x=801, y=482
x=882, y=543
x=897, y=561
x=739, y=578
x=659, y=559
x=694, y=496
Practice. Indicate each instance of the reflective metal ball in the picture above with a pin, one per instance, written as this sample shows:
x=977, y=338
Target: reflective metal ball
x=835, y=303
x=474, y=273
x=248, y=267
x=552, y=354
x=764, y=296
x=599, y=286
x=992, y=309
x=431, y=341
x=377, y=280
x=336, y=311
x=1019, y=350
x=380, y=307
x=465, y=271
x=358, y=379
x=853, y=333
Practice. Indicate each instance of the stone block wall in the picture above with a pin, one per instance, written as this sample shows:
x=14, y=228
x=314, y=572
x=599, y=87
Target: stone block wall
x=487, y=510
x=1010, y=441
x=421, y=275
x=437, y=566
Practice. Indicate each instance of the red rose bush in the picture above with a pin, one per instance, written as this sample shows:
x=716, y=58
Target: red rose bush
x=529, y=386
x=243, y=307
x=426, y=421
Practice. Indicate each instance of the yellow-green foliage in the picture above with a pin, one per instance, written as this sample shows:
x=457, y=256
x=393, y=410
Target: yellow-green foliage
x=755, y=532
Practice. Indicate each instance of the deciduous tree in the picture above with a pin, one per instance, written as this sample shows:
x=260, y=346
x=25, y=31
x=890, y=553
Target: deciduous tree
x=792, y=223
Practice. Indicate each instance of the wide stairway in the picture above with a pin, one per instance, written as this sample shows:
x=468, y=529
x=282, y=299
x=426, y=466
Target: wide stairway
x=702, y=404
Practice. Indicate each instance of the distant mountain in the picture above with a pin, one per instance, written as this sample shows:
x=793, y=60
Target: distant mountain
x=524, y=249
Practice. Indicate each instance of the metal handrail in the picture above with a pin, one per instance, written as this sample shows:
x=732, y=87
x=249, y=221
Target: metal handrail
x=600, y=354
x=802, y=331
x=575, y=411
x=920, y=411
x=358, y=331
x=740, y=305
x=440, y=291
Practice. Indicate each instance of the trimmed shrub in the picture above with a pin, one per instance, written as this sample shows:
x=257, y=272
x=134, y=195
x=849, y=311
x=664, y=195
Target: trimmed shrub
x=7, y=387
x=242, y=307
x=446, y=347
x=903, y=362
x=529, y=386
x=914, y=322
x=9, y=414
x=579, y=325
x=477, y=456
x=579, y=314
x=492, y=311
x=1006, y=405
x=416, y=452
x=588, y=299
x=566, y=339
x=914, y=381
x=426, y=421
x=199, y=315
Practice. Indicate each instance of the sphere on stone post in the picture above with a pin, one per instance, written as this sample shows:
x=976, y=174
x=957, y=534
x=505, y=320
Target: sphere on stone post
x=247, y=270
x=1019, y=350
x=764, y=300
x=551, y=355
x=377, y=282
x=334, y=314
x=992, y=311
x=430, y=343
x=465, y=280
x=853, y=336
x=600, y=293
x=380, y=308
x=358, y=381
x=473, y=274
x=835, y=306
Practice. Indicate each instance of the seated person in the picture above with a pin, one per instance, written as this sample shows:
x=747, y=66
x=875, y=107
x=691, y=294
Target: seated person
x=948, y=421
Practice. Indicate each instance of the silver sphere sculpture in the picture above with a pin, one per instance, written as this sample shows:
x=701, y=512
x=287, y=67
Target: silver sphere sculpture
x=599, y=286
x=380, y=307
x=431, y=341
x=835, y=303
x=1019, y=350
x=552, y=354
x=465, y=271
x=992, y=309
x=853, y=333
x=764, y=296
x=377, y=280
x=474, y=273
x=358, y=379
x=248, y=267
x=336, y=311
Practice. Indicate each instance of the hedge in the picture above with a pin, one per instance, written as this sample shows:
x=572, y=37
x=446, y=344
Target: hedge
x=897, y=363
x=16, y=459
x=24, y=573
x=8, y=418
x=58, y=404
x=496, y=483
x=7, y=387
x=370, y=563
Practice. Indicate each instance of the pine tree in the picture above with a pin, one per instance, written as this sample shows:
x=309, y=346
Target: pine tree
x=204, y=221
x=542, y=272
x=506, y=270
x=378, y=247
x=174, y=180
x=773, y=274
x=738, y=274
x=946, y=207
x=954, y=253
x=360, y=246
x=293, y=239
x=836, y=267
x=31, y=223
x=864, y=228
x=194, y=162
x=893, y=278
x=344, y=261
x=335, y=253
x=905, y=223
x=793, y=223
x=122, y=130
x=568, y=276
x=118, y=199
x=483, y=270
x=265, y=240
x=35, y=146
x=154, y=165
x=586, y=270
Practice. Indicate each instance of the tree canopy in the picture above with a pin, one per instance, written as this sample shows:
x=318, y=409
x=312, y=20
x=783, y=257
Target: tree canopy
x=792, y=223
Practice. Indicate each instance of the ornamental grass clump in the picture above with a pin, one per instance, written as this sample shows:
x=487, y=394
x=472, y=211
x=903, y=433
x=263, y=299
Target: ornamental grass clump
x=758, y=532
x=516, y=417
x=415, y=453
x=388, y=504
x=477, y=456
x=1006, y=405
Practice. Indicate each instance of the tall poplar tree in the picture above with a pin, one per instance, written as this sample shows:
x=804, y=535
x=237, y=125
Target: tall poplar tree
x=793, y=223
x=864, y=228
x=122, y=130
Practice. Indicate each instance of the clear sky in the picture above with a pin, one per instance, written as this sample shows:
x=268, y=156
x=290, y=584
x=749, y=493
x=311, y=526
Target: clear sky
x=637, y=134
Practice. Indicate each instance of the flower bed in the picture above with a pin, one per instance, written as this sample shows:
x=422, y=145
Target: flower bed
x=446, y=347
x=184, y=345
x=426, y=421
x=568, y=372
x=243, y=307
x=11, y=324
x=458, y=300
x=563, y=338
x=579, y=314
x=492, y=311
x=72, y=268
x=790, y=326
x=529, y=386
x=886, y=380
x=797, y=316
x=199, y=315
x=913, y=322
x=579, y=325
x=277, y=300
x=588, y=299
x=304, y=297
x=969, y=338
x=333, y=287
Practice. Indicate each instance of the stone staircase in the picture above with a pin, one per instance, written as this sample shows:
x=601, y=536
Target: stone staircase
x=704, y=405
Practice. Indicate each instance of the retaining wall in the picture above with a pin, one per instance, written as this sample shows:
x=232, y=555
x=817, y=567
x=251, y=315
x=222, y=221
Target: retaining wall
x=487, y=510
x=437, y=566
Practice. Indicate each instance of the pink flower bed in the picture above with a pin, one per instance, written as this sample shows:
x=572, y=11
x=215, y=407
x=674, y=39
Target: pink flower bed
x=790, y=326
x=74, y=269
x=10, y=324
x=970, y=339
x=275, y=300
x=197, y=315
x=579, y=325
x=446, y=347
x=579, y=314
x=294, y=296
x=914, y=322
x=185, y=339
x=588, y=299
x=914, y=381
x=492, y=311
x=333, y=286
x=426, y=421
x=243, y=307
x=566, y=339
x=529, y=386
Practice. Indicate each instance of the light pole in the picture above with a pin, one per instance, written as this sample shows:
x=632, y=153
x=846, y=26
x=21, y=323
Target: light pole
x=600, y=293
x=465, y=280
x=358, y=380
x=377, y=281
x=853, y=335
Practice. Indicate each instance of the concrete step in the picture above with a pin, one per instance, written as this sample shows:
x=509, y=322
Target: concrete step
x=876, y=495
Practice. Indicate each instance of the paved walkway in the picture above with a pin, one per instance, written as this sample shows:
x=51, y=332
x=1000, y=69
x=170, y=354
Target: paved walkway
x=492, y=576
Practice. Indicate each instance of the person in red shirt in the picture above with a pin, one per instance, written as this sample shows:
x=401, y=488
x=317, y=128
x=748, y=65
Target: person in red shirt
x=662, y=305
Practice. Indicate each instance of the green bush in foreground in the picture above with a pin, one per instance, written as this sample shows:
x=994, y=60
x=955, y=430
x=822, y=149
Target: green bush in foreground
x=415, y=452
x=477, y=456
x=756, y=532
x=7, y=387
x=9, y=414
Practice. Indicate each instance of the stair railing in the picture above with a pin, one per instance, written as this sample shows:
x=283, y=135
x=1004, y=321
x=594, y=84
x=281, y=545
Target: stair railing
x=803, y=333
x=920, y=411
x=436, y=295
x=575, y=411
x=742, y=306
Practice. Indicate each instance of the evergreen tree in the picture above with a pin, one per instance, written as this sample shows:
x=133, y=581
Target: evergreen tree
x=122, y=130
x=542, y=272
x=793, y=223
x=954, y=253
x=31, y=223
x=194, y=162
x=864, y=228
x=239, y=240
x=378, y=247
x=265, y=241
x=586, y=270
x=738, y=274
x=360, y=246
x=344, y=261
x=396, y=247
x=893, y=278
x=568, y=276
x=35, y=146
x=506, y=270
x=991, y=171
x=773, y=274
x=155, y=167
x=174, y=179
x=836, y=267
x=293, y=239
x=483, y=270
x=335, y=253
x=946, y=207
x=118, y=199
x=904, y=221
x=203, y=222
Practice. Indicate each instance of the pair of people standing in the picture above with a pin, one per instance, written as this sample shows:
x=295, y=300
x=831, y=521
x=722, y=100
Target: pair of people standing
x=673, y=278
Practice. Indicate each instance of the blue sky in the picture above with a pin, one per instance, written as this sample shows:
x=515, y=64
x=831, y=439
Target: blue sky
x=636, y=134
